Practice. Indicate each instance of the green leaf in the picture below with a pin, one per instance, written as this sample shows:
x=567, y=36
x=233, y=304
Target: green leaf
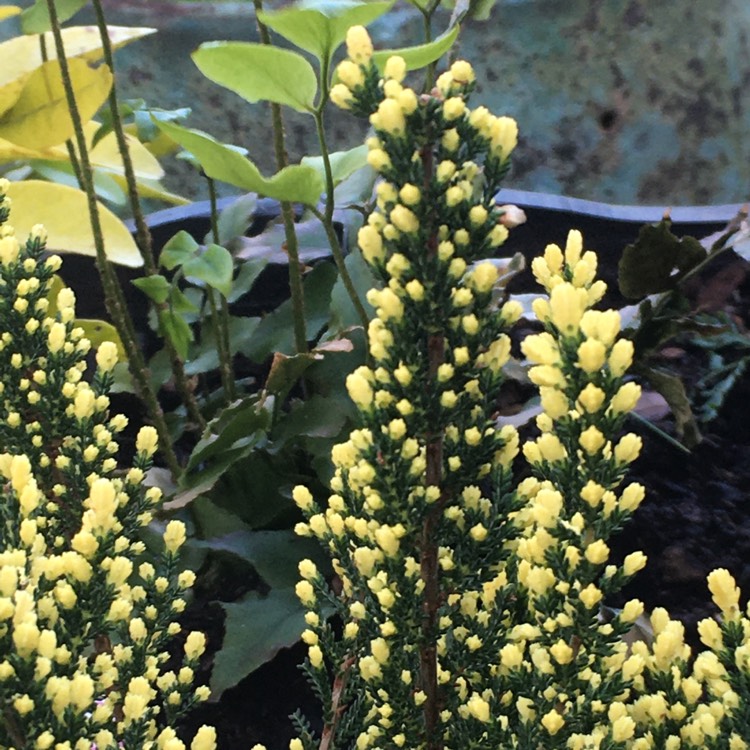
x=35, y=20
x=205, y=356
x=319, y=26
x=40, y=119
x=343, y=163
x=248, y=274
x=285, y=372
x=258, y=72
x=275, y=554
x=317, y=417
x=234, y=423
x=179, y=249
x=657, y=261
x=214, y=266
x=420, y=55
x=155, y=287
x=173, y=325
x=99, y=331
x=673, y=389
x=255, y=630
x=235, y=219
x=276, y=332
x=296, y=183
x=64, y=212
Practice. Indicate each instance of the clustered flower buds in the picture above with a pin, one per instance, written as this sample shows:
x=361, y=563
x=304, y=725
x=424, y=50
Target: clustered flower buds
x=85, y=615
x=470, y=609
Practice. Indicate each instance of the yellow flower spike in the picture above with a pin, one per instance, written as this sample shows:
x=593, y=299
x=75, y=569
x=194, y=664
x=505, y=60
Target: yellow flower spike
x=724, y=592
x=359, y=45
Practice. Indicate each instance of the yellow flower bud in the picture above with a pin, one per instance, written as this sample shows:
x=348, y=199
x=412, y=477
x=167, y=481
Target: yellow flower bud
x=553, y=722
x=724, y=592
x=358, y=45
x=597, y=552
x=626, y=398
x=592, y=355
x=621, y=357
x=591, y=440
x=634, y=562
x=174, y=536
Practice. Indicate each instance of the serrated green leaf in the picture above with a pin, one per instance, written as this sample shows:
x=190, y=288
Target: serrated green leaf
x=296, y=183
x=657, y=261
x=213, y=266
x=319, y=26
x=155, y=287
x=420, y=55
x=258, y=72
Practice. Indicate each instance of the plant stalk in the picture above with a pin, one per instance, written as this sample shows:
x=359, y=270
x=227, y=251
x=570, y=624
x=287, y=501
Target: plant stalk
x=113, y=295
x=143, y=237
x=327, y=220
x=220, y=312
x=287, y=211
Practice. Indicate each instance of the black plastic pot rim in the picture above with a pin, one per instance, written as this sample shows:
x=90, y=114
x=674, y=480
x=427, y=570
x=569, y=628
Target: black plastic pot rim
x=719, y=214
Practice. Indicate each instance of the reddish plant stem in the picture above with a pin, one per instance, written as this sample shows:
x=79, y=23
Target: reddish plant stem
x=337, y=709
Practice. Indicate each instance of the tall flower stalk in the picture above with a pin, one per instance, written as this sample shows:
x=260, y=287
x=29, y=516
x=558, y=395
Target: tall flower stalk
x=429, y=451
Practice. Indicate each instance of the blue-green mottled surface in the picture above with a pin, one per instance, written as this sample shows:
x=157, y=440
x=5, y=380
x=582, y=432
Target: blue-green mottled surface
x=626, y=101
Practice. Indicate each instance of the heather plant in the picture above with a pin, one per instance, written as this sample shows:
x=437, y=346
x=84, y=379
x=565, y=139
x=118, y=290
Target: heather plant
x=468, y=606
x=85, y=615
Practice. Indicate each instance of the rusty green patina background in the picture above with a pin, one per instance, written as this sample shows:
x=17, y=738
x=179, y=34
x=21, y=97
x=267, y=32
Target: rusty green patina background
x=624, y=101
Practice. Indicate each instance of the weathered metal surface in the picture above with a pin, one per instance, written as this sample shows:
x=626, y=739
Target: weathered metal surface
x=629, y=101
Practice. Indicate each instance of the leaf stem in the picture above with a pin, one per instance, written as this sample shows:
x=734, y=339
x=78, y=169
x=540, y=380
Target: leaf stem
x=113, y=295
x=287, y=211
x=326, y=218
x=220, y=316
x=143, y=237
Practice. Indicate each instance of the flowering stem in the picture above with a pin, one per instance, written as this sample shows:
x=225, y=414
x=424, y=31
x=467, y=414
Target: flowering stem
x=327, y=739
x=144, y=240
x=113, y=295
x=287, y=212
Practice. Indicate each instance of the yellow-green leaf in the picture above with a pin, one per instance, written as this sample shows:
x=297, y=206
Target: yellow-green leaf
x=63, y=211
x=99, y=331
x=6, y=11
x=40, y=118
x=22, y=55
